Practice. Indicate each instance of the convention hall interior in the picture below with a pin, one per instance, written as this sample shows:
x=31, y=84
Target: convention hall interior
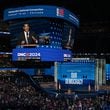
x=54, y=55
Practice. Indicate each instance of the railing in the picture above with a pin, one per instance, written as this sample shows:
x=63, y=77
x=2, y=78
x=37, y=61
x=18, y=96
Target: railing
x=104, y=87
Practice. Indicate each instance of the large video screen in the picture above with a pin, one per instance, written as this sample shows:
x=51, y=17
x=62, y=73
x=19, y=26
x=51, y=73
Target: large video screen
x=54, y=26
x=51, y=28
x=52, y=33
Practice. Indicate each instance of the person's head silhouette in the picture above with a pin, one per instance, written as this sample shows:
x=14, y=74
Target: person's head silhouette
x=26, y=27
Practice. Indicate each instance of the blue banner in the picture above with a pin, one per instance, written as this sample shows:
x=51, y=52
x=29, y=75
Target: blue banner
x=42, y=54
x=40, y=11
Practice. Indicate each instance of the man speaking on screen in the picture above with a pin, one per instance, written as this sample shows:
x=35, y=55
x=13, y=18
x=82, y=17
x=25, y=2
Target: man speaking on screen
x=27, y=36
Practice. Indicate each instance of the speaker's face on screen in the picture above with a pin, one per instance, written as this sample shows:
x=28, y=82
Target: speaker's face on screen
x=26, y=27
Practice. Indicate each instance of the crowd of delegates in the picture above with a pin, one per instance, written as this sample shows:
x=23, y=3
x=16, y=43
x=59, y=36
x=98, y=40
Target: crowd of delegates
x=5, y=63
x=18, y=93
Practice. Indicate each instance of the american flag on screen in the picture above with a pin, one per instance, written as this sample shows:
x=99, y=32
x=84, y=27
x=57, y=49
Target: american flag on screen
x=60, y=12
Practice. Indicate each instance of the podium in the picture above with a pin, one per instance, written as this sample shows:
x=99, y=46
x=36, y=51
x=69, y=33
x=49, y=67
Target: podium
x=28, y=46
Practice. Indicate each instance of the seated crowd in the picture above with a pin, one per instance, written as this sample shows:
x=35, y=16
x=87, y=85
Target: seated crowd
x=17, y=93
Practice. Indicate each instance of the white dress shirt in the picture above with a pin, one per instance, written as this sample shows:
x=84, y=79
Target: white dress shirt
x=26, y=37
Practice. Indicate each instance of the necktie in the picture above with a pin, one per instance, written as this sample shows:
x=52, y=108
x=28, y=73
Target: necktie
x=27, y=33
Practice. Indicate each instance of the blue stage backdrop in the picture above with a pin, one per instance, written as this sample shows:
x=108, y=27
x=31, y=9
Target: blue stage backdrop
x=76, y=75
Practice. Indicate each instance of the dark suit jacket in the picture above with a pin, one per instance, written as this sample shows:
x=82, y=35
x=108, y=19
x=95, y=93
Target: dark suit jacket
x=30, y=40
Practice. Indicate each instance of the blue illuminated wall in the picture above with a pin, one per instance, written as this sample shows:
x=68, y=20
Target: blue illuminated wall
x=107, y=71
